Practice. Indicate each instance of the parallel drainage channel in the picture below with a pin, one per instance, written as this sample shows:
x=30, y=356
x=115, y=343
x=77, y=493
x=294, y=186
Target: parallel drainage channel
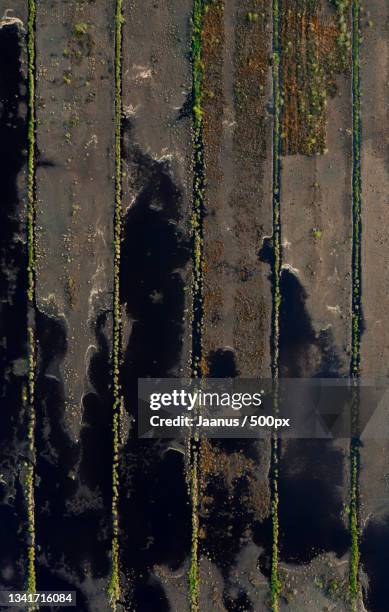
x=114, y=585
x=356, y=301
x=31, y=211
x=276, y=294
x=197, y=277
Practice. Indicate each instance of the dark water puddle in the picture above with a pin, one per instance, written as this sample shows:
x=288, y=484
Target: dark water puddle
x=159, y=533
x=96, y=433
x=222, y=364
x=311, y=471
x=266, y=252
x=12, y=566
x=303, y=353
x=72, y=509
x=13, y=308
x=53, y=443
x=239, y=603
x=310, y=491
x=228, y=525
x=152, y=289
x=155, y=519
x=263, y=537
x=230, y=522
x=226, y=521
x=51, y=582
x=296, y=331
x=155, y=513
x=375, y=561
x=151, y=596
x=310, y=505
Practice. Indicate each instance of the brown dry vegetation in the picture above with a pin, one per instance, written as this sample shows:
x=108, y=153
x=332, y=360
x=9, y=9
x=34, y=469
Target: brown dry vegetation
x=312, y=55
x=232, y=467
x=251, y=73
x=212, y=104
x=234, y=202
x=251, y=61
x=212, y=101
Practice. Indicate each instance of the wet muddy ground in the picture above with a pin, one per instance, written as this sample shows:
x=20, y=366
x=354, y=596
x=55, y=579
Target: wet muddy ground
x=73, y=315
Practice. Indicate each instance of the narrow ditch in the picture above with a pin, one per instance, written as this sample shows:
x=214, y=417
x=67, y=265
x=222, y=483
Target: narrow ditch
x=198, y=187
x=197, y=278
x=31, y=199
x=114, y=584
x=276, y=293
x=357, y=319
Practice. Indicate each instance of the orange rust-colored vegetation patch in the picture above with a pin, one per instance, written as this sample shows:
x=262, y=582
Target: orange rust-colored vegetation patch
x=252, y=132
x=213, y=39
x=213, y=99
x=232, y=467
x=251, y=74
x=310, y=61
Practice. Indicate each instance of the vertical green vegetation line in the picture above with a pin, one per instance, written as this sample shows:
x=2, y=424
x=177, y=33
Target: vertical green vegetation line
x=197, y=275
x=356, y=297
x=30, y=395
x=114, y=586
x=356, y=191
x=198, y=186
x=276, y=273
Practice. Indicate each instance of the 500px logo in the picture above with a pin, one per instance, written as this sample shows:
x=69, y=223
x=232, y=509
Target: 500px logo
x=268, y=421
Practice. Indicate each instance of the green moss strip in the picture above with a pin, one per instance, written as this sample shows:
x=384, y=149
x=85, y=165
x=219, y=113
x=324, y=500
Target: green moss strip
x=31, y=150
x=29, y=492
x=275, y=584
x=356, y=300
x=276, y=188
x=274, y=580
x=197, y=64
x=199, y=7
x=356, y=186
x=194, y=585
x=30, y=476
x=343, y=40
x=354, y=529
x=114, y=584
x=31, y=208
